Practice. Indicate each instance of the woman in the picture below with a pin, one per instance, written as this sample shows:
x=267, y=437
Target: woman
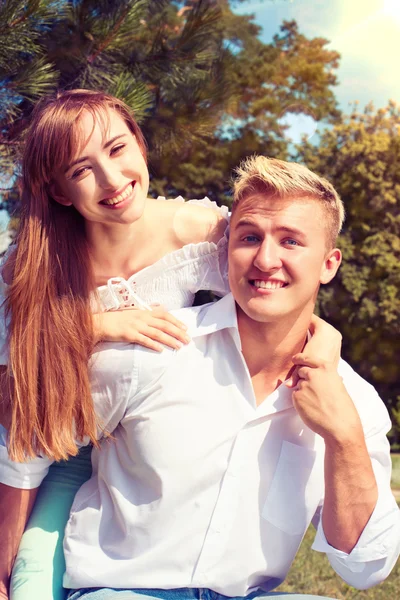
x=87, y=226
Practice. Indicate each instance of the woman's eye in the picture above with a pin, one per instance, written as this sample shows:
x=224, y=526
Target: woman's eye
x=78, y=172
x=117, y=148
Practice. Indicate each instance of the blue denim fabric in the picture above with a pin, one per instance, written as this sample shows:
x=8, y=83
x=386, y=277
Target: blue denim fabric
x=178, y=594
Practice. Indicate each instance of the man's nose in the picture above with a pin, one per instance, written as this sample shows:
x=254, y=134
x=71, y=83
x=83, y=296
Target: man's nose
x=268, y=257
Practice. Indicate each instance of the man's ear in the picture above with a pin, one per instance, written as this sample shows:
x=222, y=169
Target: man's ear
x=331, y=265
x=57, y=195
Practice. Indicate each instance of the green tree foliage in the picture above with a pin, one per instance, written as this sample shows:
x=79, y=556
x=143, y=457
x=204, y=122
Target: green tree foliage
x=206, y=90
x=25, y=73
x=292, y=74
x=361, y=156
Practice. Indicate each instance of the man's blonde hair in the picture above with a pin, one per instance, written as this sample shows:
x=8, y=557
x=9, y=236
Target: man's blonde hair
x=280, y=179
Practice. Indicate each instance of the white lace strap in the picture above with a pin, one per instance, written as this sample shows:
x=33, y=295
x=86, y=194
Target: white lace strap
x=122, y=294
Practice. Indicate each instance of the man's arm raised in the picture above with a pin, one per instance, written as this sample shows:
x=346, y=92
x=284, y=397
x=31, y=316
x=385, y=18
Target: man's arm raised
x=351, y=492
x=360, y=519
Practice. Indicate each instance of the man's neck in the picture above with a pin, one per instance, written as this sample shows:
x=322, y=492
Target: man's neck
x=268, y=349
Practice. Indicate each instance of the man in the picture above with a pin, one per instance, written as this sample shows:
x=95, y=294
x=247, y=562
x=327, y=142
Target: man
x=217, y=467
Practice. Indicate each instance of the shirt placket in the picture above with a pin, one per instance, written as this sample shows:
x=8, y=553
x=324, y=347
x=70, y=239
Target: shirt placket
x=222, y=519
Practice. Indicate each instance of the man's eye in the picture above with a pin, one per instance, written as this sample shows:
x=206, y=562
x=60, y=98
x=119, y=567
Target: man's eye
x=290, y=242
x=117, y=148
x=250, y=239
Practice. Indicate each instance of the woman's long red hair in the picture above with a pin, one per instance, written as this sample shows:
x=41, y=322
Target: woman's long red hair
x=49, y=297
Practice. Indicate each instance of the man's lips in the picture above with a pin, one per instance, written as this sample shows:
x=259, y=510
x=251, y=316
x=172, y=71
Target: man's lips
x=268, y=284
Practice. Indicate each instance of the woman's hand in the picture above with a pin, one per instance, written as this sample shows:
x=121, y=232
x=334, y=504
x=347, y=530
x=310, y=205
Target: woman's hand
x=324, y=347
x=149, y=328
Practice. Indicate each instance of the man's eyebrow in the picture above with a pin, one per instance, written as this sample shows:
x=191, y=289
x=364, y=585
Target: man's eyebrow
x=83, y=158
x=245, y=222
x=291, y=230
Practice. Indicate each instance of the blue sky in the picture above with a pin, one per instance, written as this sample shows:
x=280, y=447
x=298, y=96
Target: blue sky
x=365, y=32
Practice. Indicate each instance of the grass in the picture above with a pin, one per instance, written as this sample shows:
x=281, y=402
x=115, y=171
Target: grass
x=311, y=572
x=396, y=471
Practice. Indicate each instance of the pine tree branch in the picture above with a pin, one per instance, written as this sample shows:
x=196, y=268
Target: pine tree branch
x=31, y=7
x=110, y=37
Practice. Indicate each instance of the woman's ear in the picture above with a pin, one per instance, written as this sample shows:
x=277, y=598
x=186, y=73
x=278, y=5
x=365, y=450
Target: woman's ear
x=57, y=195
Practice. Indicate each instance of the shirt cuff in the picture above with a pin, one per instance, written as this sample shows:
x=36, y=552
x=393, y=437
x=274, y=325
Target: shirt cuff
x=378, y=539
x=26, y=476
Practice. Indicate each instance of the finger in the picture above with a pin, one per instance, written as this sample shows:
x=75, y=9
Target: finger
x=326, y=341
x=293, y=379
x=160, y=313
x=163, y=338
x=147, y=342
x=304, y=373
x=320, y=327
x=170, y=329
x=303, y=359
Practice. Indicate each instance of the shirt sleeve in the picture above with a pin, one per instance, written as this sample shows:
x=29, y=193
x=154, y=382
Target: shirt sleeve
x=213, y=274
x=378, y=547
x=207, y=262
x=26, y=476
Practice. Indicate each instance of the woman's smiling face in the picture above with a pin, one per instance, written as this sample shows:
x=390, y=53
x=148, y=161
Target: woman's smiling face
x=107, y=179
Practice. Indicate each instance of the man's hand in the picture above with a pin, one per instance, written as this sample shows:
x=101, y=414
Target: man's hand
x=325, y=344
x=319, y=395
x=324, y=405
x=322, y=401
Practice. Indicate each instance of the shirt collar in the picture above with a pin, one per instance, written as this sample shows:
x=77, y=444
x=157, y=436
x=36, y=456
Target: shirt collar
x=215, y=317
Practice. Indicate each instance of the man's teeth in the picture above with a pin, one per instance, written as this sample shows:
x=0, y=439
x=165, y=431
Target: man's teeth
x=123, y=196
x=268, y=285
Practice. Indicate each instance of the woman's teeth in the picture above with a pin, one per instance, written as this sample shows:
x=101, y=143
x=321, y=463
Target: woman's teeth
x=123, y=196
x=268, y=285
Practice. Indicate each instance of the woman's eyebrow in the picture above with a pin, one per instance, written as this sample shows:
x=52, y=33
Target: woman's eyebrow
x=83, y=158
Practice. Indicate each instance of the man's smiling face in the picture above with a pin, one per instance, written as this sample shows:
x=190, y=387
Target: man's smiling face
x=278, y=256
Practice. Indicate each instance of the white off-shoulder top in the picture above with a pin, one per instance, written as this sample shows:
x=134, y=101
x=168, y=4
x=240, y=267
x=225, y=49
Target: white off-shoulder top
x=172, y=281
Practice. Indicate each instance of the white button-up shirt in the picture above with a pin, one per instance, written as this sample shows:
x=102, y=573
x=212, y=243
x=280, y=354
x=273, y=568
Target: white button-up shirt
x=200, y=487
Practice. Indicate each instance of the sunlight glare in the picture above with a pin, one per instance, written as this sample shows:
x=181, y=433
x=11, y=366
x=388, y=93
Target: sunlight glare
x=391, y=8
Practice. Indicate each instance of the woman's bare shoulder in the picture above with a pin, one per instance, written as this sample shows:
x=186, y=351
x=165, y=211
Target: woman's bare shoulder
x=193, y=223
